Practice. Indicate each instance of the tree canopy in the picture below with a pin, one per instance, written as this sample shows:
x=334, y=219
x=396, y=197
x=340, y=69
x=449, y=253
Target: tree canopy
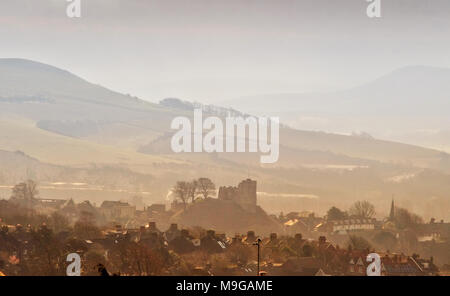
x=362, y=209
x=336, y=214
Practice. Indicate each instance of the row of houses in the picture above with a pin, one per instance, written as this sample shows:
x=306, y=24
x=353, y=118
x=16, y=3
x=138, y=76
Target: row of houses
x=295, y=222
x=327, y=258
x=395, y=265
x=108, y=211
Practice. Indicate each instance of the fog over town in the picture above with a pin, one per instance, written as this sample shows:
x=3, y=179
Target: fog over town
x=170, y=137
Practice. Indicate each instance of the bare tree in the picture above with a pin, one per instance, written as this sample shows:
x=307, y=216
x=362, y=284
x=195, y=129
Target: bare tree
x=181, y=191
x=25, y=193
x=131, y=258
x=206, y=187
x=26, y=190
x=362, y=209
x=193, y=189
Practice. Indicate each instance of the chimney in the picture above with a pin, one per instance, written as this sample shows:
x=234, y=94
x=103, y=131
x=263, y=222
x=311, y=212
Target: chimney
x=273, y=236
x=298, y=236
x=322, y=240
x=152, y=225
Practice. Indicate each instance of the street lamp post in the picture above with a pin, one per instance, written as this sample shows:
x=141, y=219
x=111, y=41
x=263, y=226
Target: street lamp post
x=257, y=243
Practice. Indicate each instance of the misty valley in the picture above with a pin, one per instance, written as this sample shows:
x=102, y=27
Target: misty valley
x=224, y=138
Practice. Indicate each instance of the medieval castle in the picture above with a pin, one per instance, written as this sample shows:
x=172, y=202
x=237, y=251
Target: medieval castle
x=244, y=194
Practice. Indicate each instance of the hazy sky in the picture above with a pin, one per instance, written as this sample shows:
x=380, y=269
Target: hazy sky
x=209, y=50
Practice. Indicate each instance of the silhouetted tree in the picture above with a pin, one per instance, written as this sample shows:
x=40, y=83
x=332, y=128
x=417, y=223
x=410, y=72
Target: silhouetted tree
x=336, y=214
x=405, y=219
x=206, y=187
x=46, y=256
x=385, y=239
x=358, y=243
x=362, y=209
x=193, y=190
x=181, y=191
x=25, y=193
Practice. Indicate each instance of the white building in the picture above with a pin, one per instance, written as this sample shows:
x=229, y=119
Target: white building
x=344, y=226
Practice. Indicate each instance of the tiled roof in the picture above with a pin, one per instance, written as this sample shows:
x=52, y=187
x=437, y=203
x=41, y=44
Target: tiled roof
x=409, y=266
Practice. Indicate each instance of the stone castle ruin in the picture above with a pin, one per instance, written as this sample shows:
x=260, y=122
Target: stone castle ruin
x=244, y=194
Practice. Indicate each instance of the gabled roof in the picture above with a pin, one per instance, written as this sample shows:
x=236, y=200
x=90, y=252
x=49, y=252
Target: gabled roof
x=68, y=204
x=296, y=222
x=357, y=260
x=360, y=261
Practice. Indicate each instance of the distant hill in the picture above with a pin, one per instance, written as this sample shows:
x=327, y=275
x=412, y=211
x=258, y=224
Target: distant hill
x=74, y=130
x=61, y=102
x=22, y=78
x=410, y=104
x=409, y=91
x=73, y=107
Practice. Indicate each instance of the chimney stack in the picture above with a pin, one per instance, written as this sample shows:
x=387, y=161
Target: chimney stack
x=322, y=240
x=152, y=225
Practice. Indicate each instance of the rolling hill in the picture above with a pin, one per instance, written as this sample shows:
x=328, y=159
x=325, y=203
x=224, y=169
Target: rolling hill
x=67, y=123
x=410, y=105
x=62, y=103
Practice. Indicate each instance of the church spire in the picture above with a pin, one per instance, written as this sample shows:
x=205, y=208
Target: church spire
x=392, y=213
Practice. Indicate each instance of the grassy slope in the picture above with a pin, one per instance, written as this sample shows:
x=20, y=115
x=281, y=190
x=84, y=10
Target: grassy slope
x=57, y=149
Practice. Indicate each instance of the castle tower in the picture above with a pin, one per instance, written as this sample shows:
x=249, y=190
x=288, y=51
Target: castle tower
x=244, y=194
x=247, y=194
